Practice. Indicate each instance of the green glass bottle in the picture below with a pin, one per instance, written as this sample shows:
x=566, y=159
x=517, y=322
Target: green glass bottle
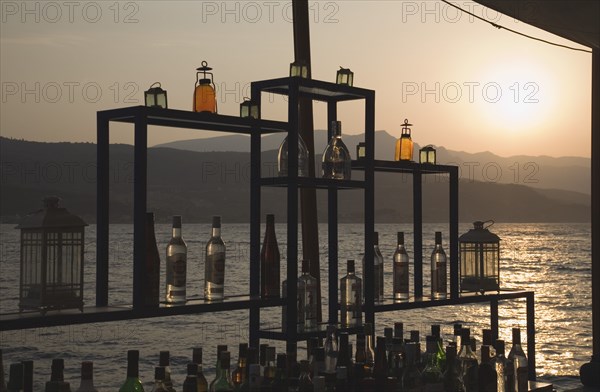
x=223, y=383
x=220, y=349
x=132, y=382
x=190, y=384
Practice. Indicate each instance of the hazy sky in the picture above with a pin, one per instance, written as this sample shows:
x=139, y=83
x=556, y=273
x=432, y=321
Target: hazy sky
x=463, y=84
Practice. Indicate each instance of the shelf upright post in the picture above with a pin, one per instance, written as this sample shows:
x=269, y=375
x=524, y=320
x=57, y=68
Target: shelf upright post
x=531, y=335
x=332, y=225
x=102, y=184
x=140, y=177
x=255, y=216
x=418, y=231
x=454, y=262
x=369, y=198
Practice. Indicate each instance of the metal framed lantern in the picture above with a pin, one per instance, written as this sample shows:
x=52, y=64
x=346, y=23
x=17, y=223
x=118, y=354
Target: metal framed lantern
x=52, y=248
x=361, y=150
x=248, y=109
x=299, y=68
x=156, y=96
x=427, y=154
x=345, y=77
x=479, y=251
x=205, y=92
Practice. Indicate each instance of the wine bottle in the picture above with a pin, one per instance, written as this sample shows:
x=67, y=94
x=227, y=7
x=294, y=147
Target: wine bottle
x=190, y=384
x=517, y=356
x=303, y=158
x=87, y=377
x=317, y=363
x=331, y=350
x=438, y=269
x=15, y=378
x=307, y=290
x=336, y=162
x=269, y=370
x=487, y=341
x=350, y=301
x=239, y=374
x=411, y=377
x=467, y=363
x=280, y=382
x=132, y=382
x=151, y=280
x=269, y=262
x=488, y=377
x=164, y=361
x=432, y=376
x=452, y=381
x=197, y=360
x=369, y=351
x=401, y=260
x=57, y=382
x=440, y=355
x=457, y=336
x=499, y=363
x=176, y=265
x=305, y=383
x=341, y=379
x=415, y=338
x=380, y=368
x=159, y=380
x=223, y=383
x=27, y=376
x=404, y=145
x=361, y=354
x=214, y=263
x=377, y=269
x=396, y=358
x=221, y=348
x=345, y=351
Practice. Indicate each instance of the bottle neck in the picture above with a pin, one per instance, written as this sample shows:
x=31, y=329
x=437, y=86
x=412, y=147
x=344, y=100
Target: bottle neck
x=132, y=369
x=216, y=232
x=176, y=232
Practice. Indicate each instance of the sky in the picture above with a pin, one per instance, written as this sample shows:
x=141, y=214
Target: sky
x=463, y=84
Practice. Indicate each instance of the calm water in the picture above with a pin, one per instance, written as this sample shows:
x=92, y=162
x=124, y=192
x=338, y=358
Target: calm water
x=551, y=259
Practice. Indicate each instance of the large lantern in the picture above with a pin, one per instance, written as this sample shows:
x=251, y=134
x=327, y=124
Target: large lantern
x=52, y=246
x=479, y=259
x=156, y=96
x=205, y=95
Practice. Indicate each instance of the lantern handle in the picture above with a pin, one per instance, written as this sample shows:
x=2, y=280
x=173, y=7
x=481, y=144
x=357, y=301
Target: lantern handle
x=154, y=84
x=490, y=224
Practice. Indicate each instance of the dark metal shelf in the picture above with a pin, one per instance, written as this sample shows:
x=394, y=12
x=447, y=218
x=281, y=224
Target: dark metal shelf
x=94, y=314
x=404, y=167
x=320, y=331
x=319, y=183
x=192, y=120
x=315, y=89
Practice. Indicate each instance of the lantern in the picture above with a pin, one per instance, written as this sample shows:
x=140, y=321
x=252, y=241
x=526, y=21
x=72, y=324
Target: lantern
x=156, y=96
x=404, y=145
x=479, y=259
x=248, y=109
x=345, y=77
x=361, y=150
x=205, y=96
x=299, y=68
x=52, y=247
x=427, y=155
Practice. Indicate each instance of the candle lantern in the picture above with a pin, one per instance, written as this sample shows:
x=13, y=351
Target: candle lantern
x=361, y=150
x=156, y=96
x=205, y=96
x=479, y=251
x=299, y=68
x=52, y=248
x=427, y=155
x=345, y=77
x=248, y=109
x=404, y=145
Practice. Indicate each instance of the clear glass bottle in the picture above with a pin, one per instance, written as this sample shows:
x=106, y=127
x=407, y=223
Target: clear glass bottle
x=396, y=359
x=380, y=368
x=57, y=382
x=132, y=382
x=404, y=145
x=519, y=359
x=176, y=265
x=377, y=269
x=452, y=381
x=270, y=262
x=487, y=341
x=440, y=355
x=190, y=384
x=151, y=281
x=438, y=269
x=350, y=301
x=457, y=336
x=499, y=363
x=303, y=158
x=308, y=289
x=467, y=363
x=239, y=374
x=432, y=376
x=344, y=350
x=336, y=162
x=214, y=264
x=197, y=360
x=159, y=380
x=401, y=274
x=164, y=361
x=361, y=354
x=87, y=377
x=488, y=378
x=331, y=350
x=305, y=383
x=369, y=351
x=223, y=383
x=15, y=378
x=411, y=377
x=27, y=376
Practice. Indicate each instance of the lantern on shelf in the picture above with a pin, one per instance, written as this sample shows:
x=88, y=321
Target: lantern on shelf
x=52, y=248
x=404, y=145
x=205, y=96
x=156, y=96
x=248, y=109
x=361, y=150
x=479, y=251
x=345, y=77
x=299, y=68
x=427, y=155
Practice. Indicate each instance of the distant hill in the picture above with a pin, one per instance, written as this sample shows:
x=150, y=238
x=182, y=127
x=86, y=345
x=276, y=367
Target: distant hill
x=567, y=173
x=200, y=184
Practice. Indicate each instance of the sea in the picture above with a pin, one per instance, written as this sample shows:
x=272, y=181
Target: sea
x=551, y=259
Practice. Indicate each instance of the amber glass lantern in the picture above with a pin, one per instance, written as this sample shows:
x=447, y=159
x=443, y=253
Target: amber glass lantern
x=299, y=69
x=248, y=109
x=156, y=96
x=404, y=145
x=205, y=96
x=345, y=77
x=52, y=246
x=479, y=251
x=427, y=155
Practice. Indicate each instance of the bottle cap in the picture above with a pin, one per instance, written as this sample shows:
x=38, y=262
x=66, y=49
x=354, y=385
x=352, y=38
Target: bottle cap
x=414, y=336
x=163, y=358
x=435, y=331
x=252, y=355
x=368, y=329
x=375, y=238
x=270, y=354
x=485, y=353
x=263, y=353
x=197, y=354
x=177, y=222
x=270, y=218
x=281, y=360
x=438, y=237
x=450, y=352
x=225, y=359
x=58, y=363
x=500, y=345
x=159, y=373
x=15, y=378
x=220, y=348
x=243, y=350
x=192, y=369
x=388, y=333
x=87, y=370
x=401, y=237
x=305, y=266
x=399, y=329
x=516, y=335
x=457, y=329
x=487, y=337
x=149, y=217
x=380, y=341
x=465, y=336
x=216, y=222
x=350, y=266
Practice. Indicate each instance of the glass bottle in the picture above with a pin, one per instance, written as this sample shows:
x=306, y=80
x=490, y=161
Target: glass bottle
x=457, y=336
x=487, y=341
x=303, y=160
x=164, y=361
x=404, y=145
x=336, y=163
x=401, y=270
x=2, y=379
x=27, y=376
x=511, y=380
x=159, y=380
x=399, y=329
x=377, y=269
x=452, y=380
x=280, y=382
x=269, y=262
x=262, y=350
x=411, y=377
x=345, y=351
x=223, y=382
x=239, y=374
x=517, y=356
x=176, y=265
x=341, y=379
x=132, y=382
x=499, y=363
x=308, y=288
x=221, y=348
x=205, y=97
x=350, y=301
x=15, y=378
x=438, y=269
x=151, y=281
x=190, y=384
x=467, y=363
x=488, y=378
x=305, y=383
x=57, y=382
x=380, y=368
x=432, y=376
x=214, y=263
x=416, y=338
x=87, y=377
x=360, y=355
x=197, y=360
x=331, y=350
x=269, y=371
x=396, y=359
x=369, y=351
x=440, y=354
